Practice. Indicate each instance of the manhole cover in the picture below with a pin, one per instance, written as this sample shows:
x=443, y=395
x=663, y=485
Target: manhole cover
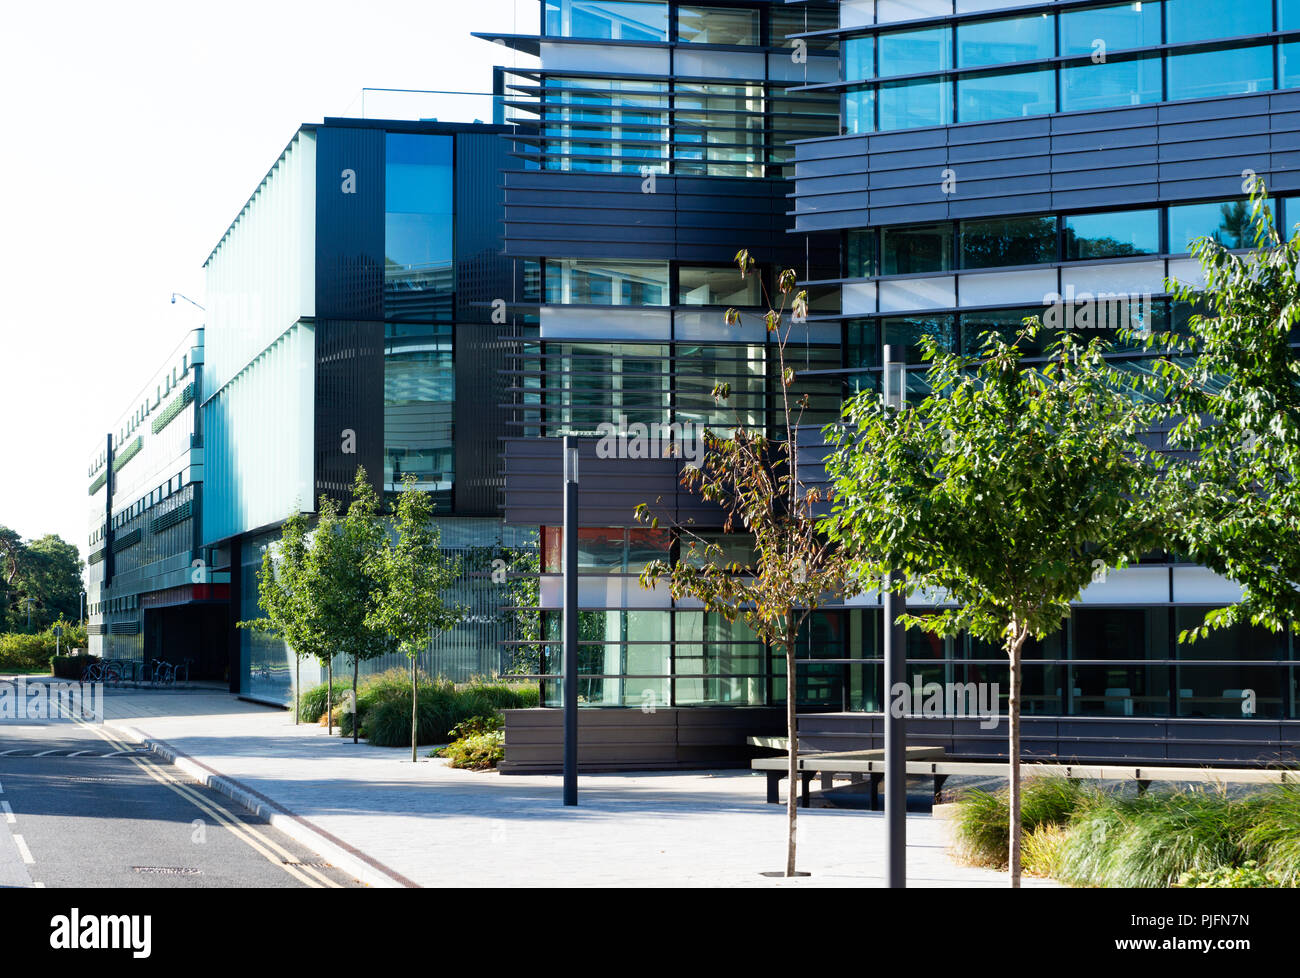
x=167, y=870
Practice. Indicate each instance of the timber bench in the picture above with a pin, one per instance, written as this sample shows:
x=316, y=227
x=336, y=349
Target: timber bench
x=861, y=765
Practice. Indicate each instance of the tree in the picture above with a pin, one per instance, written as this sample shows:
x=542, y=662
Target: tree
x=286, y=593
x=412, y=575
x=40, y=580
x=1009, y=489
x=754, y=478
x=346, y=555
x=1233, y=390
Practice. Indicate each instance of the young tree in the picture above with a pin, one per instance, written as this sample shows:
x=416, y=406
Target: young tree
x=1233, y=492
x=1008, y=489
x=286, y=594
x=346, y=554
x=753, y=476
x=412, y=575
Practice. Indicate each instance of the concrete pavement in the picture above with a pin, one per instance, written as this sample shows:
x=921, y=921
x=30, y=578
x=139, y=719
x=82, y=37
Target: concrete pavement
x=389, y=822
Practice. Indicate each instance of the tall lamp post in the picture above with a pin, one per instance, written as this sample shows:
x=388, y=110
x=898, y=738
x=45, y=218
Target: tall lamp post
x=570, y=621
x=894, y=392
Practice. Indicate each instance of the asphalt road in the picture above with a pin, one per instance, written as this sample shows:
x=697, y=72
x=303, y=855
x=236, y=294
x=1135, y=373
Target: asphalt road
x=78, y=810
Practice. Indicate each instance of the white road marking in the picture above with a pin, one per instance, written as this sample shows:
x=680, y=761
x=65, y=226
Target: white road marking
x=9, y=812
x=23, y=850
x=46, y=753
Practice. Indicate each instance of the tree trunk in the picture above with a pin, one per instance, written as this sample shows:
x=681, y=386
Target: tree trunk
x=329, y=696
x=297, y=688
x=356, y=736
x=792, y=733
x=415, y=711
x=1013, y=718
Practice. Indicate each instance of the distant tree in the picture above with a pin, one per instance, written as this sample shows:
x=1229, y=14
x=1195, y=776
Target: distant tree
x=40, y=580
x=346, y=553
x=411, y=577
x=753, y=476
x=286, y=593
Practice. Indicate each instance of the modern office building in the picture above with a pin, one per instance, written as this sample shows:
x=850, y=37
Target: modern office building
x=953, y=166
x=152, y=594
x=350, y=323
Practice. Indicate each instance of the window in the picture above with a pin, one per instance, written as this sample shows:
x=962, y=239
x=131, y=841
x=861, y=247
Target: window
x=719, y=130
x=860, y=110
x=615, y=20
x=1288, y=15
x=1008, y=241
x=1099, y=30
x=907, y=332
x=717, y=25
x=915, y=52
x=860, y=253
x=1231, y=71
x=419, y=399
x=1203, y=20
x=998, y=42
x=606, y=283
x=909, y=104
x=717, y=287
x=1006, y=95
x=916, y=250
x=418, y=227
x=859, y=58
x=1007, y=323
x=1112, y=235
x=1227, y=223
x=1109, y=84
x=1289, y=64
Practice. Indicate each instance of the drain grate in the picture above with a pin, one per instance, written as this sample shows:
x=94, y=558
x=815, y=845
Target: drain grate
x=310, y=863
x=167, y=870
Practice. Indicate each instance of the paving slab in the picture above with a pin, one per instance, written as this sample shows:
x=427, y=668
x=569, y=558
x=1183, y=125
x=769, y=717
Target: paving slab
x=428, y=824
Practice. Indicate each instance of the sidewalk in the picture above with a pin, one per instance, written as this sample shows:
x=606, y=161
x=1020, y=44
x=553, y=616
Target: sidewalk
x=372, y=812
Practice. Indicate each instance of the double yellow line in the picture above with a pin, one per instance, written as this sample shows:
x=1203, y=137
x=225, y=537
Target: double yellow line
x=275, y=854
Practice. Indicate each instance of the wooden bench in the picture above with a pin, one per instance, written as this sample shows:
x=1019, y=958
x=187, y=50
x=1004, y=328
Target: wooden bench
x=858, y=765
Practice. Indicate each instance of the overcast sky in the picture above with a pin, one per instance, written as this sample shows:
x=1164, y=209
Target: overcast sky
x=134, y=133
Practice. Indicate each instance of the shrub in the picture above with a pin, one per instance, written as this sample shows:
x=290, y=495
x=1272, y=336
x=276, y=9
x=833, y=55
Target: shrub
x=984, y=817
x=477, y=751
x=1247, y=875
x=311, y=703
x=26, y=653
x=1273, y=837
x=70, y=666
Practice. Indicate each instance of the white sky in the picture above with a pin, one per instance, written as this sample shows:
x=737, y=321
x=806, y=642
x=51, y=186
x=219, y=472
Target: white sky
x=133, y=134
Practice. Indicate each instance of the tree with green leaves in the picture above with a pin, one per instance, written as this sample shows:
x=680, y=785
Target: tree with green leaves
x=286, y=592
x=753, y=477
x=1231, y=384
x=40, y=580
x=412, y=577
x=1008, y=489
x=347, y=552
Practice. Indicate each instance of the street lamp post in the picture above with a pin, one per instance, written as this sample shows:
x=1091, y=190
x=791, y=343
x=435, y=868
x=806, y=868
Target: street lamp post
x=894, y=391
x=570, y=621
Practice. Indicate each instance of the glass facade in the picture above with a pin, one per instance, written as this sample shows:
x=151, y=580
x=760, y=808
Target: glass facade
x=1077, y=59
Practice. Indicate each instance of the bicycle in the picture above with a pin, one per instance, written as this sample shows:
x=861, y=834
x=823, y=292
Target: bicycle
x=164, y=673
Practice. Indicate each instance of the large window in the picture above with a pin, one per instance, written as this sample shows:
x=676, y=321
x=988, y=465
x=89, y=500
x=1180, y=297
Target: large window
x=699, y=286
x=911, y=104
x=1227, y=223
x=592, y=281
x=916, y=250
x=1110, y=84
x=615, y=20
x=1100, y=30
x=719, y=129
x=418, y=227
x=1006, y=41
x=1008, y=241
x=1228, y=71
x=1006, y=95
x=718, y=25
x=915, y=52
x=1112, y=235
x=859, y=58
x=419, y=398
x=1204, y=20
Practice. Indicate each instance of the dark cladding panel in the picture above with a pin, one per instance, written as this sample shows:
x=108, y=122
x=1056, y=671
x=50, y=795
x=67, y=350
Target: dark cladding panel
x=483, y=272
x=482, y=354
x=349, y=405
x=349, y=223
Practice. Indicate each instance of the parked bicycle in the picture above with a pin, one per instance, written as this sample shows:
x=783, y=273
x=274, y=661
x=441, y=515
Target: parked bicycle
x=164, y=673
x=104, y=671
